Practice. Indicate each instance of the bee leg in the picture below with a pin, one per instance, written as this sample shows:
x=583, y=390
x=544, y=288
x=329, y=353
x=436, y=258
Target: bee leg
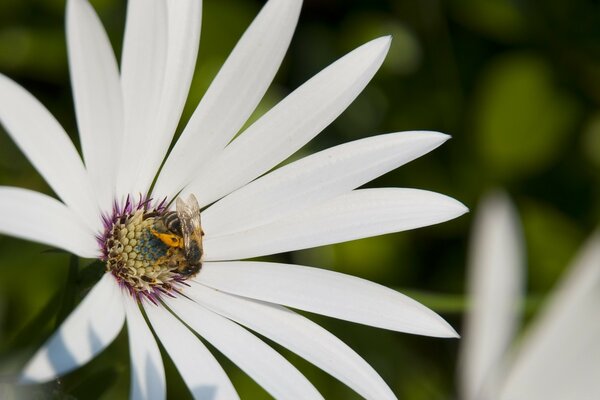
x=169, y=239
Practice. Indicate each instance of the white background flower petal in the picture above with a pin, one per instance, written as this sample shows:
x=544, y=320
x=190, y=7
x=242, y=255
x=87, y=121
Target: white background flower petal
x=91, y=327
x=495, y=287
x=147, y=372
x=48, y=148
x=299, y=335
x=232, y=95
x=142, y=73
x=184, y=22
x=325, y=292
x=358, y=214
x=34, y=216
x=316, y=178
x=263, y=364
x=560, y=356
x=199, y=369
x=290, y=124
x=98, y=100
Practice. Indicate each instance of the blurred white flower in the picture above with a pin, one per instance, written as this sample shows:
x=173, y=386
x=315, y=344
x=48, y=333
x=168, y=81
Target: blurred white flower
x=126, y=121
x=559, y=354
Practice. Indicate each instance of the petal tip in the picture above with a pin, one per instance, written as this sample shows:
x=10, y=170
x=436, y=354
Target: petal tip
x=380, y=45
x=452, y=207
x=442, y=137
x=441, y=329
x=384, y=41
x=461, y=209
x=434, y=137
x=447, y=331
x=436, y=326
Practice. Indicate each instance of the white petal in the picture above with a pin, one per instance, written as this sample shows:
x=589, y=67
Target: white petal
x=183, y=23
x=233, y=94
x=560, y=355
x=316, y=178
x=199, y=369
x=142, y=73
x=184, y=36
x=299, y=335
x=143, y=63
x=291, y=123
x=325, y=292
x=34, y=216
x=98, y=99
x=91, y=327
x=47, y=146
x=358, y=214
x=147, y=372
x=263, y=364
x=495, y=288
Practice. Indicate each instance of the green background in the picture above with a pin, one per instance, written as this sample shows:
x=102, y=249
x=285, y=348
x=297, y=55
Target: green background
x=516, y=83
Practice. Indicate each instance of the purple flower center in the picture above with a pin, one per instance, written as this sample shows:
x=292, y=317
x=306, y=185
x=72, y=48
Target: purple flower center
x=136, y=255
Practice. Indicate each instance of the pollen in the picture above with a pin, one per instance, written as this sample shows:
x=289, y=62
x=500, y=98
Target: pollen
x=137, y=257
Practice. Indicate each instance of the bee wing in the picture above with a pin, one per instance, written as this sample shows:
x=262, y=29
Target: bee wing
x=189, y=216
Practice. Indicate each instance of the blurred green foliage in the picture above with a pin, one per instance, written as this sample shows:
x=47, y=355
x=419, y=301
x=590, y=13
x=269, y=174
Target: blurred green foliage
x=519, y=109
x=517, y=84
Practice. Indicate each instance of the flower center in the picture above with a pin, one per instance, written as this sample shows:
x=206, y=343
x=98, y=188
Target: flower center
x=144, y=248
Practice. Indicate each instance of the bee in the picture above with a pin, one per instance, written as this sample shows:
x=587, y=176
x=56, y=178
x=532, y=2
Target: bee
x=184, y=231
x=191, y=228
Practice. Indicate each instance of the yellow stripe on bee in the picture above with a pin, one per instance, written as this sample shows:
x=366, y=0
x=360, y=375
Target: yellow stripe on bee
x=169, y=239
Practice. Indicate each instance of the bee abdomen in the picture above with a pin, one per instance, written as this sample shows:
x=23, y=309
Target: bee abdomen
x=172, y=223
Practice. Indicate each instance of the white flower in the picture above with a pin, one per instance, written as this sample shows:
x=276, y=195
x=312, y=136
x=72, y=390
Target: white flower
x=126, y=121
x=559, y=355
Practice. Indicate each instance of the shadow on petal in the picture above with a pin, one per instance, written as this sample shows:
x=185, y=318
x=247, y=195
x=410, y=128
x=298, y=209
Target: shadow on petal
x=59, y=355
x=204, y=392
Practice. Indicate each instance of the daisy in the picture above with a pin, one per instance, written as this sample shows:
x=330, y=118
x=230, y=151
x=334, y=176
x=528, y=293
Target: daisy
x=110, y=209
x=559, y=355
